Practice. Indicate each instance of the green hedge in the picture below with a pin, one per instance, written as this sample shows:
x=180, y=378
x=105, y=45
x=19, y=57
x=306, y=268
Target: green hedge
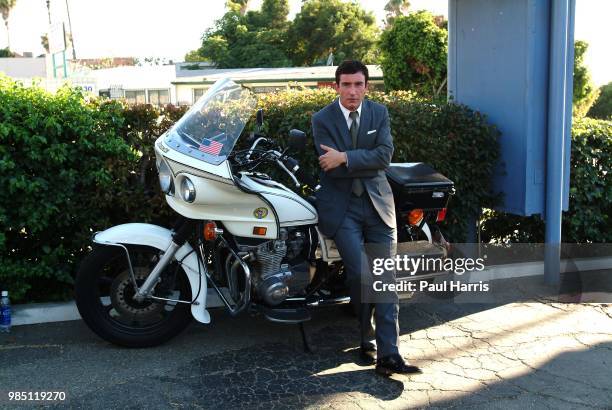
x=589, y=217
x=70, y=167
x=57, y=183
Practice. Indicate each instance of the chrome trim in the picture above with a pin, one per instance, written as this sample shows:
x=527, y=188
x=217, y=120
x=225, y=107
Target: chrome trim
x=127, y=254
x=322, y=302
x=133, y=277
x=188, y=192
x=152, y=279
x=246, y=298
x=284, y=168
x=330, y=302
x=175, y=300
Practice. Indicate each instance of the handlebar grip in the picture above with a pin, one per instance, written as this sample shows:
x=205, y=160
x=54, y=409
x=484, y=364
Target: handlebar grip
x=293, y=165
x=305, y=177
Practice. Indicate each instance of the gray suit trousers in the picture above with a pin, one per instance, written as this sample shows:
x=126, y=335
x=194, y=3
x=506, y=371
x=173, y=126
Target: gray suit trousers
x=362, y=225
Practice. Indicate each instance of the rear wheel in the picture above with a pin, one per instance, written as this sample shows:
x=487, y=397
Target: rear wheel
x=104, y=296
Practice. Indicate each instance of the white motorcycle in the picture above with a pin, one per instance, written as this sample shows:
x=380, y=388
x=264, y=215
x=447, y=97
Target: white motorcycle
x=242, y=239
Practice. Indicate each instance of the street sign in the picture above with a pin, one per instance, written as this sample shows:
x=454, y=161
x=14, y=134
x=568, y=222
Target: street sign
x=57, y=38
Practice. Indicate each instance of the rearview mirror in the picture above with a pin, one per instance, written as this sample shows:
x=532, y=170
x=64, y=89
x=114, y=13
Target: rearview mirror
x=297, y=140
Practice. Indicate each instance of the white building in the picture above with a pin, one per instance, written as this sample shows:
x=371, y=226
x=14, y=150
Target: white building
x=179, y=84
x=23, y=68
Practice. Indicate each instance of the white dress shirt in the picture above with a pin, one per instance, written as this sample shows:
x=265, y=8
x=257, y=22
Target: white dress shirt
x=346, y=113
x=349, y=120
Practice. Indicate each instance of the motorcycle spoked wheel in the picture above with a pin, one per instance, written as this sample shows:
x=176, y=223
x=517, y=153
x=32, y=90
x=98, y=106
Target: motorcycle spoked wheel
x=104, y=293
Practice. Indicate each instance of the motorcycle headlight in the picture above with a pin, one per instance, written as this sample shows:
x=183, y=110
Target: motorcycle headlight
x=188, y=190
x=165, y=177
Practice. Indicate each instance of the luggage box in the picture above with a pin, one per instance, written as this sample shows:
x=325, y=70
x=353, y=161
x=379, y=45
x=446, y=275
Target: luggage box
x=418, y=185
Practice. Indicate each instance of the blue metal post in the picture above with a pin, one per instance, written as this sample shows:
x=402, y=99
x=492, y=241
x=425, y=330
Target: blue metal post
x=451, y=57
x=557, y=99
x=568, y=104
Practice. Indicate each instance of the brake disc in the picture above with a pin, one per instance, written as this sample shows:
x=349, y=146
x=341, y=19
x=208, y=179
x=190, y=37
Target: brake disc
x=122, y=295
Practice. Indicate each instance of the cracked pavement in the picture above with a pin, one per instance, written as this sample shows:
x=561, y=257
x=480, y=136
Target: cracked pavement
x=518, y=355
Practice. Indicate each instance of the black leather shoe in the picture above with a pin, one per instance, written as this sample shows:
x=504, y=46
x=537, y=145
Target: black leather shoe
x=389, y=365
x=367, y=353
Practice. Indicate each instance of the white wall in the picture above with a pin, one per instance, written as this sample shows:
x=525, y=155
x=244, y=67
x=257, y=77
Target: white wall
x=23, y=67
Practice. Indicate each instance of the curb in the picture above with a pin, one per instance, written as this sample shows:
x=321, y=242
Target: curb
x=35, y=313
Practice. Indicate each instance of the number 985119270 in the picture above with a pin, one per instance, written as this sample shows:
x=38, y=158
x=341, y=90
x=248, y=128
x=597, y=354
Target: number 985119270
x=36, y=396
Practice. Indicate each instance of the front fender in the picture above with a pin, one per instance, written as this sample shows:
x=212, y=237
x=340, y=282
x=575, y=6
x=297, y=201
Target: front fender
x=160, y=238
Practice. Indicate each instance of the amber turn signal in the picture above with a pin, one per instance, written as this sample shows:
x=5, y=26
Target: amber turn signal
x=210, y=231
x=415, y=216
x=260, y=230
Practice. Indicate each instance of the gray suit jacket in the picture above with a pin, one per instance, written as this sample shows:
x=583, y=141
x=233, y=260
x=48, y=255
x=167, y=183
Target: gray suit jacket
x=368, y=162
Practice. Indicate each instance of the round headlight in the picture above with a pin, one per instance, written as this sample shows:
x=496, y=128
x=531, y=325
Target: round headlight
x=165, y=177
x=187, y=190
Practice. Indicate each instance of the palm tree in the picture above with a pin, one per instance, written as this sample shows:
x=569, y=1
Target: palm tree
x=5, y=8
x=49, y=10
x=394, y=9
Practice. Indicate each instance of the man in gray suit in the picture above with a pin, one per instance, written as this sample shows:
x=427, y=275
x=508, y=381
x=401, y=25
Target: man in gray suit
x=355, y=203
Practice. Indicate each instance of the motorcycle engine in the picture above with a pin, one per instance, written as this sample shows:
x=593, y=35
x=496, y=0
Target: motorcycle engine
x=282, y=269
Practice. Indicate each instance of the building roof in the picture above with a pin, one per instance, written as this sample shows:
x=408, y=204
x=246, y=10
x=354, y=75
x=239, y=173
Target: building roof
x=133, y=76
x=322, y=73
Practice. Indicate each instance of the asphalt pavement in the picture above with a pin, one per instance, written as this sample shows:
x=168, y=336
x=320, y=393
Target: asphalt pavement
x=536, y=353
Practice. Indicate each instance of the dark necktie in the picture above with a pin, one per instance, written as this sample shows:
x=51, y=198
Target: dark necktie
x=357, y=184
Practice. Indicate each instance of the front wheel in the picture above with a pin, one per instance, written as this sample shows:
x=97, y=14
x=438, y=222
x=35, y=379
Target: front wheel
x=104, y=296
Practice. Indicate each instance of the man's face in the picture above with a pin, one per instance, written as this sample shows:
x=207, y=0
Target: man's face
x=351, y=89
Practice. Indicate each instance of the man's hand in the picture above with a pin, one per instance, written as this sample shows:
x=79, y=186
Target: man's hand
x=331, y=159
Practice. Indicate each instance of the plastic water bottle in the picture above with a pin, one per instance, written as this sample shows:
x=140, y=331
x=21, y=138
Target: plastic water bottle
x=5, y=313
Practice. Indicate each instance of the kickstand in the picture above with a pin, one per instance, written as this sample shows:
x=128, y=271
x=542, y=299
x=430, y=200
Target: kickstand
x=304, y=339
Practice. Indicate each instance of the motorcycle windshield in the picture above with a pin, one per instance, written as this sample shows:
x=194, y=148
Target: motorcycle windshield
x=211, y=127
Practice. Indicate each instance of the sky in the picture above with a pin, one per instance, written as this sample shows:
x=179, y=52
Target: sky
x=155, y=28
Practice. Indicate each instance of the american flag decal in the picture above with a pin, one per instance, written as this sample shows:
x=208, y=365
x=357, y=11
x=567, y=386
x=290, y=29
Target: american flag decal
x=210, y=146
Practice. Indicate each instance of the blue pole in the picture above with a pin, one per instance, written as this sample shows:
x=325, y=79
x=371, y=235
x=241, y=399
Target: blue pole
x=451, y=58
x=557, y=93
x=568, y=104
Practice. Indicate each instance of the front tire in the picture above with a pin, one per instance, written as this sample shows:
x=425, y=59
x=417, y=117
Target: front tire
x=104, y=290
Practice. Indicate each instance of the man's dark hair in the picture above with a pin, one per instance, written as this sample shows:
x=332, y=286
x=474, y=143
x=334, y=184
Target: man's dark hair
x=351, y=67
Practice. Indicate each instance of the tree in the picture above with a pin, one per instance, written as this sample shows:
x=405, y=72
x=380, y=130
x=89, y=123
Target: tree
x=332, y=26
x=5, y=9
x=44, y=42
x=394, y=9
x=253, y=39
x=414, y=52
x=194, y=56
x=273, y=15
x=585, y=92
x=602, y=108
x=6, y=52
x=237, y=6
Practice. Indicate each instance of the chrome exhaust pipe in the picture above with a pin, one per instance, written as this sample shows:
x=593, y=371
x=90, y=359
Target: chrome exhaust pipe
x=234, y=307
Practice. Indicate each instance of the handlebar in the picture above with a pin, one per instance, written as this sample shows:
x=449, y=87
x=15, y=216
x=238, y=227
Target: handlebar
x=293, y=165
x=258, y=138
x=288, y=164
